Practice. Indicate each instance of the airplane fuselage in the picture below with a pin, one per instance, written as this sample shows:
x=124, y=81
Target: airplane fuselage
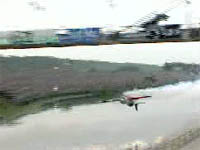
x=132, y=101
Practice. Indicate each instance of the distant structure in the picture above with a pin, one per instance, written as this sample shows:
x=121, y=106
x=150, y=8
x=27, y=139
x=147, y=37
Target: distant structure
x=172, y=5
x=111, y=3
x=146, y=30
x=36, y=6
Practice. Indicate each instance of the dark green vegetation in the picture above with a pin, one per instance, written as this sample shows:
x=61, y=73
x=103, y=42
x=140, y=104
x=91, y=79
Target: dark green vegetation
x=32, y=84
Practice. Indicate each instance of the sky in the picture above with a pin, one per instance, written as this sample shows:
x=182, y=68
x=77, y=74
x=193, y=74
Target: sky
x=21, y=14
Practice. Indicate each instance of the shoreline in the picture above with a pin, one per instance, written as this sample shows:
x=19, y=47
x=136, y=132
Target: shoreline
x=30, y=46
x=90, y=82
x=188, y=138
x=33, y=84
x=37, y=77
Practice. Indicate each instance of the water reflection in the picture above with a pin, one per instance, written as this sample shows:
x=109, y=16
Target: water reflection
x=10, y=112
x=109, y=125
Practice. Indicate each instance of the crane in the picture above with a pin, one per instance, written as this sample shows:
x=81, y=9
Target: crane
x=152, y=18
x=157, y=15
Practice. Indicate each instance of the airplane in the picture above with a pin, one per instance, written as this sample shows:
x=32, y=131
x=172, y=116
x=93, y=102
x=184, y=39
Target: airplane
x=129, y=100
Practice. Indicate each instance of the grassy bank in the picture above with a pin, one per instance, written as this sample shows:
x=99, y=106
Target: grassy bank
x=32, y=84
x=31, y=78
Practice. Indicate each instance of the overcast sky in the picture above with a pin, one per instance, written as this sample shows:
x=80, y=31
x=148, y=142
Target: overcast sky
x=21, y=14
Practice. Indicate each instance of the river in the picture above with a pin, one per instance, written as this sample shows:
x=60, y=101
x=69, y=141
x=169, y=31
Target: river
x=172, y=108
x=150, y=53
x=107, y=126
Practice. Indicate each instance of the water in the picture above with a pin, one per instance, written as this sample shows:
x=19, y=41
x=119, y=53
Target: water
x=172, y=108
x=158, y=54
x=105, y=126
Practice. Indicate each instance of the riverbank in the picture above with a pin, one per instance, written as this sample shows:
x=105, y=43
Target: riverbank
x=31, y=78
x=52, y=45
x=32, y=84
x=188, y=140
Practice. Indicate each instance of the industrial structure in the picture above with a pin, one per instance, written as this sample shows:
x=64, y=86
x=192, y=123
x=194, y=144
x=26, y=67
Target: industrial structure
x=147, y=29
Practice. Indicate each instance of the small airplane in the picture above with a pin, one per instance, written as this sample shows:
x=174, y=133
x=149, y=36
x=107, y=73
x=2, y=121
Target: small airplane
x=129, y=100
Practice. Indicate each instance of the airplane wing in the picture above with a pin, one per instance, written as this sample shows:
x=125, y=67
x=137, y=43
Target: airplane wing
x=132, y=98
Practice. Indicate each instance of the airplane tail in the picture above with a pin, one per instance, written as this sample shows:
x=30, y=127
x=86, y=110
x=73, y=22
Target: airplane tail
x=136, y=105
x=110, y=100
